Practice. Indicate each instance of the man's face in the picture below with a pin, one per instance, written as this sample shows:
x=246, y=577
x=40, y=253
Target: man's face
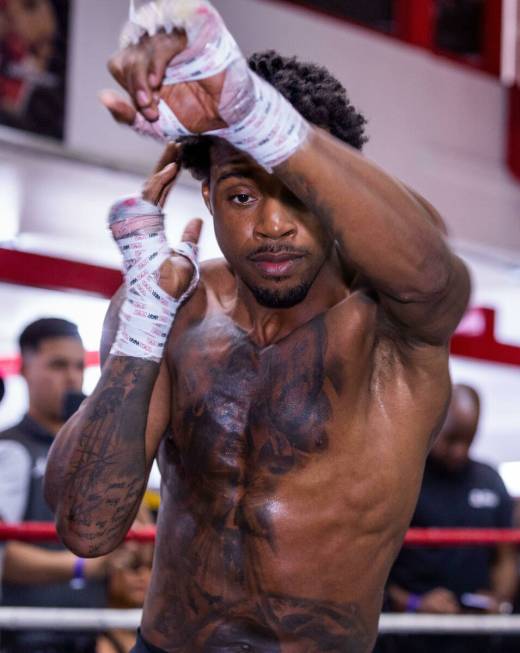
x=51, y=371
x=271, y=240
x=452, y=446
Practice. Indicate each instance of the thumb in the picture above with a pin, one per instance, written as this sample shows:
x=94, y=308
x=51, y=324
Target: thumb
x=120, y=109
x=192, y=231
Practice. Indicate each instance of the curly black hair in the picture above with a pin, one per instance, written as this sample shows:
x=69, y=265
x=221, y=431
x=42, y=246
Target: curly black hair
x=310, y=88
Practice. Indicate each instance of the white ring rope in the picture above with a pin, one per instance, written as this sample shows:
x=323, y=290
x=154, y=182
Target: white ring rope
x=69, y=619
x=439, y=624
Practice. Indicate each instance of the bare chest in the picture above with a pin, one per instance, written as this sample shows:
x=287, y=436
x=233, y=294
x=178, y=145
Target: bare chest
x=240, y=409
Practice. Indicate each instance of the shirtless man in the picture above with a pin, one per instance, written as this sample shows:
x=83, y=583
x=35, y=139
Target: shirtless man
x=295, y=401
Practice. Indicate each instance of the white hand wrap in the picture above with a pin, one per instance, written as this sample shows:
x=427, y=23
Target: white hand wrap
x=147, y=314
x=260, y=120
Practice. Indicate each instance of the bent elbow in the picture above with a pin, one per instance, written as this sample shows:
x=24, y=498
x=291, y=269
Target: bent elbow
x=434, y=278
x=87, y=537
x=85, y=544
x=76, y=545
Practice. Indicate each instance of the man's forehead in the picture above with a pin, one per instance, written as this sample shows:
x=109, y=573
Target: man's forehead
x=61, y=345
x=226, y=158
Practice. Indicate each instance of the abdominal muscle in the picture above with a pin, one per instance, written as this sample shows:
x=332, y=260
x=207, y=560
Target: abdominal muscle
x=279, y=503
x=294, y=570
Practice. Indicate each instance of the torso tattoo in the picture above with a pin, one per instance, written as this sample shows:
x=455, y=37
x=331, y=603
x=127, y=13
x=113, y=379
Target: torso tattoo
x=244, y=418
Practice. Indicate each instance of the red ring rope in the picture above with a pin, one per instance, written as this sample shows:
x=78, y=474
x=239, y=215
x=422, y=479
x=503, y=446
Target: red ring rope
x=46, y=532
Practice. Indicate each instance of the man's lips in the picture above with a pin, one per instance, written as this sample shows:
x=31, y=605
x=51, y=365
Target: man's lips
x=275, y=264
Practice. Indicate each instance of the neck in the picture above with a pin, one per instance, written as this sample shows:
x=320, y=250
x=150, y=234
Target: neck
x=45, y=421
x=268, y=325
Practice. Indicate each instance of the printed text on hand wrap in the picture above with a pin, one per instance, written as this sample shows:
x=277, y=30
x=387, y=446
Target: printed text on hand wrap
x=260, y=120
x=148, y=312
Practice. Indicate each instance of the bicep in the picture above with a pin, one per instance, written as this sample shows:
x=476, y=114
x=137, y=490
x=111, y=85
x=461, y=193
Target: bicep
x=431, y=319
x=435, y=319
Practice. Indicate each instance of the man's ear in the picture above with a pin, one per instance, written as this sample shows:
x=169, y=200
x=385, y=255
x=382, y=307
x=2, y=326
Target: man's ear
x=205, y=190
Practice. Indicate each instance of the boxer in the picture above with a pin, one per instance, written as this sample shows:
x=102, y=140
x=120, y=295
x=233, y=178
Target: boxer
x=291, y=395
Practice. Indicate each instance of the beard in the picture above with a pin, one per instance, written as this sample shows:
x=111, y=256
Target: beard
x=284, y=297
x=278, y=298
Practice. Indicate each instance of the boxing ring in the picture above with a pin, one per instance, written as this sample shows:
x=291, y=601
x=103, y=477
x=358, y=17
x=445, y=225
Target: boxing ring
x=68, y=619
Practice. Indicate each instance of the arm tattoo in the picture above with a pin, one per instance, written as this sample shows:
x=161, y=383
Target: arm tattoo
x=105, y=470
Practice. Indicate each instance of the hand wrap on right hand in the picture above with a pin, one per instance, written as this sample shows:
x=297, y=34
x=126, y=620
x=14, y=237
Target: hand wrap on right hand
x=148, y=312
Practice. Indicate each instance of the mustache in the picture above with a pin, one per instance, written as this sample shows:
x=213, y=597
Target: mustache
x=278, y=248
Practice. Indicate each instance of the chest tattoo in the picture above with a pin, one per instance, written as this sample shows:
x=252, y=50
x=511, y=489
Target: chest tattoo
x=244, y=418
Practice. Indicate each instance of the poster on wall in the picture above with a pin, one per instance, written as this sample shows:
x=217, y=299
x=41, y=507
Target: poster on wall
x=33, y=60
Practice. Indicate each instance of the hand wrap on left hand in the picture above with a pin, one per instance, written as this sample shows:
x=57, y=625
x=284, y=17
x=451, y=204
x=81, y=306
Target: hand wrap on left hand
x=260, y=120
x=148, y=312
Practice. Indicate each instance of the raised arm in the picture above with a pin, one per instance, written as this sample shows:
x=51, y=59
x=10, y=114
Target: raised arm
x=100, y=461
x=391, y=236
x=385, y=231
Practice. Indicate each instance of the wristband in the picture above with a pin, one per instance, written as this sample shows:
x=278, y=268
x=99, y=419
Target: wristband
x=412, y=603
x=77, y=581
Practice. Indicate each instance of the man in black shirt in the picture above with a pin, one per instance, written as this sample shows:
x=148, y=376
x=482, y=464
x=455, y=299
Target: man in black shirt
x=37, y=575
x=457, y=492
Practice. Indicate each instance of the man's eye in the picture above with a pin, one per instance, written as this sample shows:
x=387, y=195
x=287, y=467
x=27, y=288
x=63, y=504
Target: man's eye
x=241, y=198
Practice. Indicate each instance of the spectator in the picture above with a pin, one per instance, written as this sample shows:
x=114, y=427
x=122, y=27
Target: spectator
x=13, y=463
x=128, y=579
x=457, y=492
x=43, y=575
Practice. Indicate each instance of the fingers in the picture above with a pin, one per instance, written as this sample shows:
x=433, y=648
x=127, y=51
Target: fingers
x=120, y=109
x=192, y=231
x=164, y=174
x=130, y=68
x=157, y=187
x=140, y=69
x=167, y=46
x=139, y=89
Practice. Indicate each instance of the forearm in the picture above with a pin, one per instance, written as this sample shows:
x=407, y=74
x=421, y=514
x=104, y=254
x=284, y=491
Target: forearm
x=25, y=564
x=383, y=230
x=97, y=468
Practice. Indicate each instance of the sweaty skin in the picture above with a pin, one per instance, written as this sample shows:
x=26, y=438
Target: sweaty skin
x=291, y=441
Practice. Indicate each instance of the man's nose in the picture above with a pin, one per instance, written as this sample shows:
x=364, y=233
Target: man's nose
x=275, y=221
